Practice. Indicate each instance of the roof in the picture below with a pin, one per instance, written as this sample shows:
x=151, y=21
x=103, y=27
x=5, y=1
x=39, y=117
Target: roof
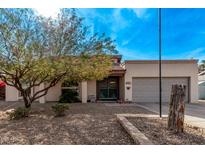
x=117, y=68
x=184, y=61
x=117, y=56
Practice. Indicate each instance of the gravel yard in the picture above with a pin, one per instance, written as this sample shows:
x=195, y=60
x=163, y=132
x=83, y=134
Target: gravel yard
x=83, y=124
x=156, y=130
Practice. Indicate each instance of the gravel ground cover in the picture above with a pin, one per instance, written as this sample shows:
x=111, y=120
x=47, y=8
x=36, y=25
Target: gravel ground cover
x=83, y=124
x=156, y=130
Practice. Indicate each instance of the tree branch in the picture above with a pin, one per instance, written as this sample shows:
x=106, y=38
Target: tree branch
x=45, y=90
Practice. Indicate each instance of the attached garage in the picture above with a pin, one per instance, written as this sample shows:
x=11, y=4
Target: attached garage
x=147, y=89
x=142, y=79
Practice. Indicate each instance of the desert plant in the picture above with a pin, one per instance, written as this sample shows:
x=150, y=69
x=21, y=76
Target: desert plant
x=20, y=112
x=36, y=50
x=60, y=109
x=69, y=96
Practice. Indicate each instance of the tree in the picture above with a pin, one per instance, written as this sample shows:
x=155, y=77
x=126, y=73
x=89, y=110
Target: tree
x=36, y=50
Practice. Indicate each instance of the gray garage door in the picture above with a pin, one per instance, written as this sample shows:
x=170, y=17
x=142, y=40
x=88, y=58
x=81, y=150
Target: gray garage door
x=147, y=89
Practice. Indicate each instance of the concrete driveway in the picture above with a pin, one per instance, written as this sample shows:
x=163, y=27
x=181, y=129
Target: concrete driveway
x=191, y=109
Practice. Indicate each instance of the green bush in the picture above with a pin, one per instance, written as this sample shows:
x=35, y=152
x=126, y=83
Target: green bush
x=69, y=96
x=20, y=112
x=60, y=109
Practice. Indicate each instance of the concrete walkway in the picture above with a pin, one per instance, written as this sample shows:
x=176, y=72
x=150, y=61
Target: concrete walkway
x=194, y=113
x=192, y=109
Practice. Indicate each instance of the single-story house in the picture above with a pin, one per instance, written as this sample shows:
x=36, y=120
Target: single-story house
x=201, y=83
x=132, y=81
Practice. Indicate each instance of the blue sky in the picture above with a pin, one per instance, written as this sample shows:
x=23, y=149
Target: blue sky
x=136, y=31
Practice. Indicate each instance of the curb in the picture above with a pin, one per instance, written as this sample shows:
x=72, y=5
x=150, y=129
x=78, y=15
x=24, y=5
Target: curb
x=136, y=135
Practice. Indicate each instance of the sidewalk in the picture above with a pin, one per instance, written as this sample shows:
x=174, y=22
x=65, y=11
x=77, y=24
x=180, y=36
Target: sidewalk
x=194, y=113
x=190, y=120
x=201, y=101
x=195, y=121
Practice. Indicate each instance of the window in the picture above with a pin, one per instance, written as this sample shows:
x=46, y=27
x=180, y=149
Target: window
x=70, y=85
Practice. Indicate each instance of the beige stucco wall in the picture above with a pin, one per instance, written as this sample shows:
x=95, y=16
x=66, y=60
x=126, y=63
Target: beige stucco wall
x=54, y=93
x=11, y=93
x=168, y=70
x=84, y=92
x=91, y=87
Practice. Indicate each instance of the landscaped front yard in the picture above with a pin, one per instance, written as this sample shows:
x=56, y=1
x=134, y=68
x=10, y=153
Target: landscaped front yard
x=83, y=124
x=91, y=123
x=155, y=129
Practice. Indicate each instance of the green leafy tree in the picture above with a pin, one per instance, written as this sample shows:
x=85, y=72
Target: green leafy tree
x=36, y=50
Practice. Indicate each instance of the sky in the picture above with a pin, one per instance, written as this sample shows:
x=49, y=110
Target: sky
x=135, y=31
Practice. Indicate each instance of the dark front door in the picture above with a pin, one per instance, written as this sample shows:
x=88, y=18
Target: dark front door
x=108, y=89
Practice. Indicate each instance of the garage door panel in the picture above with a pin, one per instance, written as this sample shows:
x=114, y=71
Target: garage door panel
x=147, y=89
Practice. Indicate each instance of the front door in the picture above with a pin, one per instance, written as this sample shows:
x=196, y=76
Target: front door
x=108, y=89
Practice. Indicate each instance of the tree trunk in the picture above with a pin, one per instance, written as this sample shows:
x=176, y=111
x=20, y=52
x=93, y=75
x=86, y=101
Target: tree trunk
x=26, y=100
x=176, y=108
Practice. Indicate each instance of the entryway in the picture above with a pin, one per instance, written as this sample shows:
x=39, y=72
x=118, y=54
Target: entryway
x=108, y=89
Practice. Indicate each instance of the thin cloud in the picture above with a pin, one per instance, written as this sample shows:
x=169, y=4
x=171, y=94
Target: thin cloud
x=118, y=22
x=141, y=13
x=135, y=54
x=125, y=42
x=135, y=31
x=47, y=12
x=196, y=52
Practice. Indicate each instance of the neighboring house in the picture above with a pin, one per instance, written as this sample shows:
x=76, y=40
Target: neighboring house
x=132, y=81
x=2, y=90
x=201, y=83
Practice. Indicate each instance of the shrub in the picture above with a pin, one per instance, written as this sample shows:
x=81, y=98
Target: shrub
x=60, y=109
x=69, y=96
x=20, y=112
